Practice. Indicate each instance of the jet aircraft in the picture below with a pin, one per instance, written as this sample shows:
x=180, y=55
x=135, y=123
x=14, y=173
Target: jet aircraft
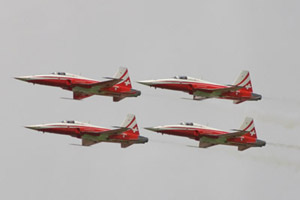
x=118, y=87
x=243, y=138
x=127, y=134
x=239, y=92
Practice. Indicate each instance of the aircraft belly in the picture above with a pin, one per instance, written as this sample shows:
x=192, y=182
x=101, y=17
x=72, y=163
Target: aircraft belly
x=52, y=82
x=219, y=140
x=180, y=87
x=98, y=91
x=70, y=132
x=182, y=133
x=93, y=90
x=207, y=94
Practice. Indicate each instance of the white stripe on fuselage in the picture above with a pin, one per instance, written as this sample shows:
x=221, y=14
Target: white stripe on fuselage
x=184, y=127
x=183, y=81
x=60, y=77
x=68, y=125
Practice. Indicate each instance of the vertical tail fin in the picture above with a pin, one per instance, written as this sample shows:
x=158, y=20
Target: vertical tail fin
x=130, y=122
x=244, y=81
x=123, y=74
x=248, y=125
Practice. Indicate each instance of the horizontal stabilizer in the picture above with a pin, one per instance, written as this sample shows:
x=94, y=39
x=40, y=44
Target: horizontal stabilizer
x=238, y=101
x=126, y=144
x=242, y=148
x=205, y=144
x=116, y=99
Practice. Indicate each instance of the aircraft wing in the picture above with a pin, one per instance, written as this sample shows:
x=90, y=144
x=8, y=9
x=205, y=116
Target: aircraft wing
x=103, y=84
x=196, y=98
x=88, y=140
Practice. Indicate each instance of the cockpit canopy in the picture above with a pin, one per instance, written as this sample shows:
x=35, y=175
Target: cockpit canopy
x=60, y=73
x=181, y=77
x=187, y=123
x=68, y=121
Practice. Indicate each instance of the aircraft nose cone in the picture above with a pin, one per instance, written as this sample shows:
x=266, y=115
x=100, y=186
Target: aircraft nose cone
x=33, y=127
x=155, y=129
x=147, y=82
x=24, y=78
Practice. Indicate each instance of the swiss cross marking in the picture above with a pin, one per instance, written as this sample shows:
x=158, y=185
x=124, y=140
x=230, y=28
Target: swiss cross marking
x=127, y=82
x=248, y=86
x=135, y=129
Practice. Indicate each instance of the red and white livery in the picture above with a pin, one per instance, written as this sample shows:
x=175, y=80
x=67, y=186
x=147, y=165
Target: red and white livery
x=127, y=134
x=239, y=92
x=243, y=138
x=118, y=87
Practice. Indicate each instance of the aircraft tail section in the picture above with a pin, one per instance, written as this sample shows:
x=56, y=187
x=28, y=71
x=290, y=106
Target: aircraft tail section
x=244, y=81
x=130, y=122
x=248, y=125
x=122, y=73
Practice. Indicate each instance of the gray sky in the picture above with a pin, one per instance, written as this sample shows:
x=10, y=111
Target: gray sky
x=211, y=39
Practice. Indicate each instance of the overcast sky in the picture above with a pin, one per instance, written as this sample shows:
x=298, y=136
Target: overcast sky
x=209, y=39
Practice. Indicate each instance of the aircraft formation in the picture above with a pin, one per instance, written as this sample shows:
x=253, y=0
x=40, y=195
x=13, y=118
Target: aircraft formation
x=119, y=87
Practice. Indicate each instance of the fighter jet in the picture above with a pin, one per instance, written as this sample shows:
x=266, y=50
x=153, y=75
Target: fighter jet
x=243, y=138
x=127, y=134
x=117, y=87
x=239, y=92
